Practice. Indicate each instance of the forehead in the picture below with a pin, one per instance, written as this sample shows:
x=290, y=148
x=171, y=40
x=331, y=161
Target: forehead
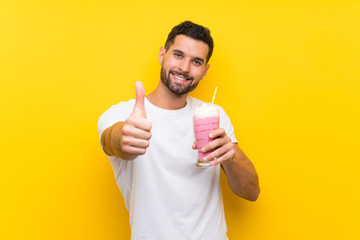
x=190, y=46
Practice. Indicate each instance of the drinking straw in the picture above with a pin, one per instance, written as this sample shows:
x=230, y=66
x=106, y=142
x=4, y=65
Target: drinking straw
x=212, y=102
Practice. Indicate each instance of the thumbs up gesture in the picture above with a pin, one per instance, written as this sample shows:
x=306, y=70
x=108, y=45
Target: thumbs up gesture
x=136, y=129
x=139, y=108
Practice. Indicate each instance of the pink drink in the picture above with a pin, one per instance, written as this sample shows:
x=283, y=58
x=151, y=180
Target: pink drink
x=203, y=126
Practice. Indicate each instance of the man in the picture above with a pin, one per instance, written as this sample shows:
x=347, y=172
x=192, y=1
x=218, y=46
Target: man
x=151, y=147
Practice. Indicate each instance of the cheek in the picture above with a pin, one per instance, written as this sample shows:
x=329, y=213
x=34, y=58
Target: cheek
x=199, y=73
x=170, y=61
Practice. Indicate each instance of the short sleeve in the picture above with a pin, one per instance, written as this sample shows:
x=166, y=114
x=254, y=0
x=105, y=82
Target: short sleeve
x=116, y=113
x=226, y=124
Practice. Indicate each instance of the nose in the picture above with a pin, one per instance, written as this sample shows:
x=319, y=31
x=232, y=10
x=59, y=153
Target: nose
x=184, y=66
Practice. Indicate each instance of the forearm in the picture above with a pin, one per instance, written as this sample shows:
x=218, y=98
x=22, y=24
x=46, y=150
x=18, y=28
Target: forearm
x=111, y=141
x=242, y=176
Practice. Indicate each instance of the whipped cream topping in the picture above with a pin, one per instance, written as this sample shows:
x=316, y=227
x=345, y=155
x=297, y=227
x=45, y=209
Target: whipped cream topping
x=206, y=110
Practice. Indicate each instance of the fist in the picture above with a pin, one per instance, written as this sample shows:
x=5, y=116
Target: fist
x=136, y=130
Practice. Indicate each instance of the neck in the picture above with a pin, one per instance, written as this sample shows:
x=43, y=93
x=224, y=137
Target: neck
x=162, y=97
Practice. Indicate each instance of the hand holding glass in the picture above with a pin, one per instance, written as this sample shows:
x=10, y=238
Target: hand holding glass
x=206, y=120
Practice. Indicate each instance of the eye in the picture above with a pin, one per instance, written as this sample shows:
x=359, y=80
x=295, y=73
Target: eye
x=197, y=62
x=178, y=55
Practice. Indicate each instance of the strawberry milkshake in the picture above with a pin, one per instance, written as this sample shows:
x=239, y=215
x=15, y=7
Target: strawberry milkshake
x=206, y=120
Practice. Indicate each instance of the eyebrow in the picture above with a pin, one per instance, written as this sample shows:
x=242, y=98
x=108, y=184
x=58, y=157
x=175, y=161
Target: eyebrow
x=181, y=52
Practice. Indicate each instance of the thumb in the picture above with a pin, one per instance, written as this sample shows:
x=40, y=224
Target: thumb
x=139, y=107
x=194, y=146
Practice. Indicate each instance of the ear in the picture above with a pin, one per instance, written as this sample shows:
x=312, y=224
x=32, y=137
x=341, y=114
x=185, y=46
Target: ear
x=161, y=55
x=205, y=72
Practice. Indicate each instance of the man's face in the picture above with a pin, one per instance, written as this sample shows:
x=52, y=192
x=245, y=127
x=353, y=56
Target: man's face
x=183, y=64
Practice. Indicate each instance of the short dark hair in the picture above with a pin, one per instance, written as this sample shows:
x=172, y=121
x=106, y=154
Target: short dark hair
x=194, y=31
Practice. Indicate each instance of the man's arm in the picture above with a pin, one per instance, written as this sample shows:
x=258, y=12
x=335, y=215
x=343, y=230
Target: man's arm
x=240, y=172
x=129, y=139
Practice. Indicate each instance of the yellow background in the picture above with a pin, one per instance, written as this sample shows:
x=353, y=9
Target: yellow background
x=287, y=74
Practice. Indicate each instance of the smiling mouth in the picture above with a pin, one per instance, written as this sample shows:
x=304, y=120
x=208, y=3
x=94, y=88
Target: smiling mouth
x=181, y=76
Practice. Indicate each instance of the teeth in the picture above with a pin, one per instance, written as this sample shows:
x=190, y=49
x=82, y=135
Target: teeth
x=178, y=77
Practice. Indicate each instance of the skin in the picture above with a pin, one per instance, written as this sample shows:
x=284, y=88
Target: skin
x=183, y=67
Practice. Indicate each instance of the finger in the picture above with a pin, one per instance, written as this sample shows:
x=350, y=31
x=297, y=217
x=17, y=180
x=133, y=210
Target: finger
x=139, y=107
x=135, y=142
x=220, y=132
x=133, y=150
x=194, y=146
x=226, y=157
x=132, y=131
x=216, y=143
x=139, y=122
x=219, y=152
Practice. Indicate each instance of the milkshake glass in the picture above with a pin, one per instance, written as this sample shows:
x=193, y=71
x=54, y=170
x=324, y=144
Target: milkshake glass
x=206, y=120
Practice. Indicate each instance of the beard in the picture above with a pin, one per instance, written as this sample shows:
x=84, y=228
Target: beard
x=177, y=88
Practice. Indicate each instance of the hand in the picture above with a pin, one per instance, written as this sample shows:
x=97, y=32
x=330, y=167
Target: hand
x=136, y=130
x=223, y=148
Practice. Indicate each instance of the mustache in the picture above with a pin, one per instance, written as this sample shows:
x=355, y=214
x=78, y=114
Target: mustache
x=185, y=75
